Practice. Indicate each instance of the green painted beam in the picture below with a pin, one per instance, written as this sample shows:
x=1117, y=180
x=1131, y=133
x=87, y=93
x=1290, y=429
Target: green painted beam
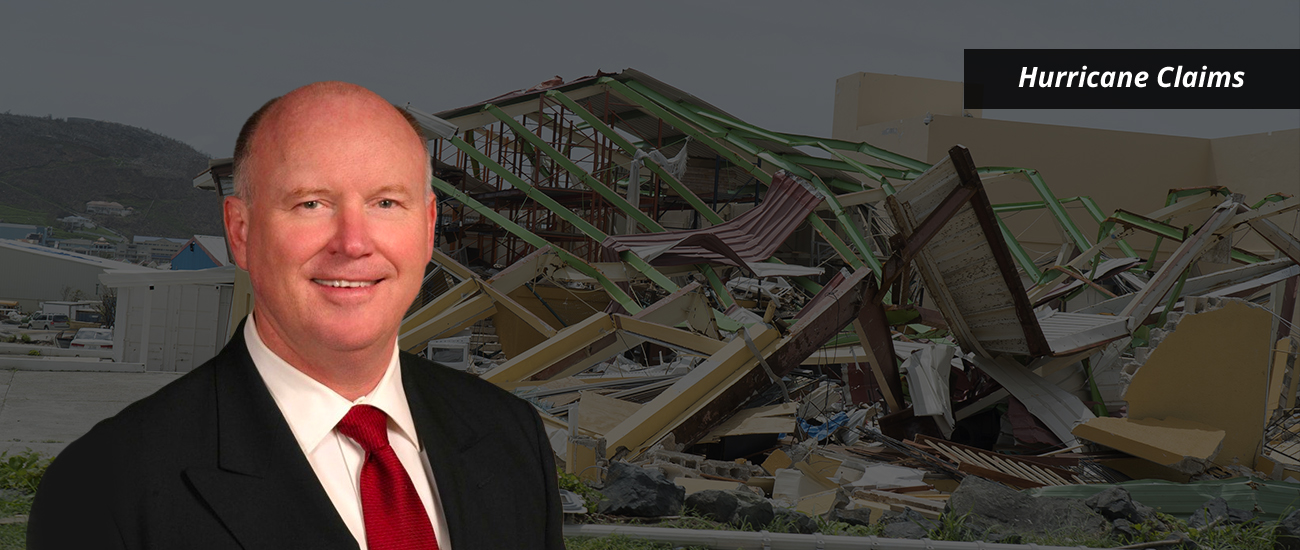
x=796, y=140
x=678, y=123
x=546, y=201
x=864, y=250
x=528, y=190
x=1095, y=211
x=628, y=148
x=1022, y=256
x=568, y=165
x=1058, y=211
x=1088, y=204
x=1161, y=229
x=531, y=238
x=860, y=168
x=598, y=125
x=837, y=164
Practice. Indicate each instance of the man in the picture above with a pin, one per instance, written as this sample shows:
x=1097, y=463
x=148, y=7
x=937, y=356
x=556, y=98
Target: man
x=310, y=430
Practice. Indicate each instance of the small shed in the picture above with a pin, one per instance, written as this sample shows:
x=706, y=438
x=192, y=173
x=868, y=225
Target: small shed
x=171, y=321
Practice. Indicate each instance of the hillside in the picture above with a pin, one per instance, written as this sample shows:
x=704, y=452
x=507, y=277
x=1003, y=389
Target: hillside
x=50, y=168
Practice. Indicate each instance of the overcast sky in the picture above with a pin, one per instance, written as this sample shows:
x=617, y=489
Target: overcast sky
x=195, y=73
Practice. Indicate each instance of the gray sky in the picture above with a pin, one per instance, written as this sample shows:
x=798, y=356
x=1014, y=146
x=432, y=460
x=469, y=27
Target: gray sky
x=195, y=73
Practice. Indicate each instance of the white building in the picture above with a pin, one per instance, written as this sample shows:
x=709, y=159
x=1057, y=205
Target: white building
x=32, y=274
x=110, y=208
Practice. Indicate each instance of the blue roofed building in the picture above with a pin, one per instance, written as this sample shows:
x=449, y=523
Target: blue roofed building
x=201, y=252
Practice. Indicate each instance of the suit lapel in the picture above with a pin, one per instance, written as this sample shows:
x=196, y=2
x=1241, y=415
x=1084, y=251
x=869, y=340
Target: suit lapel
x=448, y=439
x=263, y=490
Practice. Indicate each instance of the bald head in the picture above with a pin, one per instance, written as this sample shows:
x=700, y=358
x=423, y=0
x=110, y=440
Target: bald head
x=314, y=103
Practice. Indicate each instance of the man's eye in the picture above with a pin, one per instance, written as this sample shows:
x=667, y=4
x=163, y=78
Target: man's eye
x=387, y=203
x=311, y=205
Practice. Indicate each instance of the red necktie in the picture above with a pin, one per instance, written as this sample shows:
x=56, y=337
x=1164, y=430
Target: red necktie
x=394, y=516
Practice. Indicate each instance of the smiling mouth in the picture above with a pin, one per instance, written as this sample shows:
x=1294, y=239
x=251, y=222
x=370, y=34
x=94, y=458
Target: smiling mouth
x=341, y=283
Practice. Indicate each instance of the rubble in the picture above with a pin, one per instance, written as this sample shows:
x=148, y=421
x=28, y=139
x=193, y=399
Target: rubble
x=1288, y=532
x=994, y=509
x=641, y=492
x=705, y=313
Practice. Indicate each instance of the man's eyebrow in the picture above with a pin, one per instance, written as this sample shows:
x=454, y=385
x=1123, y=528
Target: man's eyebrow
x=393, y=189
x=301, y=192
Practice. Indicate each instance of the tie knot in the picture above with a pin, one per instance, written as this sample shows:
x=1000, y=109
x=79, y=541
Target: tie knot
x=366, y=425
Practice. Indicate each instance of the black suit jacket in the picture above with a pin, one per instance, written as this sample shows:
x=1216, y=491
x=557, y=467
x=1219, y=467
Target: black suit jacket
x=209, y=462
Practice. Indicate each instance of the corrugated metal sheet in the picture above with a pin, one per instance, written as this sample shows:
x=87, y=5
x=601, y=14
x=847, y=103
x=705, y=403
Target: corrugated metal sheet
x=1071, y=332
x=1271, y=498
x=1055, y=407
x=742, y=242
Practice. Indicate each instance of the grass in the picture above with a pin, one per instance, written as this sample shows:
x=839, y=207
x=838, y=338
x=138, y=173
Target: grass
x=1254, y=535
x=618, y=542
x=11, y=214
x=20, y=473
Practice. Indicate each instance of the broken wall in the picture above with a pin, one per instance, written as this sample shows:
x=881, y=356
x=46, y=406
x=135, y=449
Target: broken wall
x=1212, y=369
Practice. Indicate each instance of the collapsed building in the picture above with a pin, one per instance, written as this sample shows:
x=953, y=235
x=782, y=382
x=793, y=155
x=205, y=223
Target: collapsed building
x=672, y=285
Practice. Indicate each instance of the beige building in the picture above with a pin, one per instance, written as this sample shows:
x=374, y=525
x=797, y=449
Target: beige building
x=922, y=118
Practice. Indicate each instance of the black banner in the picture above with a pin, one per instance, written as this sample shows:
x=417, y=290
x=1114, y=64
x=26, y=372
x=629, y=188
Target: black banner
x=1132, y=79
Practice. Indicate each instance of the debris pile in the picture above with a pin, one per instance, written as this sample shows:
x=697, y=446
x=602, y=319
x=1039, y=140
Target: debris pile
x=758, y=335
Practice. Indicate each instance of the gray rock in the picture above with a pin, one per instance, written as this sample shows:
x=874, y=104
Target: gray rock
x=1114, y=503
x=992, y=508
x=716, y=505
x=860, y=516
x=798, y=521
x=1148, y=513
x=631, y=490
x=1238, y=516
x=1216, y=511
x=904, y=530
x=1122, y=529
x=751, y=510
x=1288, y=532
x=906, y=524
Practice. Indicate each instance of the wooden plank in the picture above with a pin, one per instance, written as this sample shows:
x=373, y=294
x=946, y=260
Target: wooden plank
x=886, y=497
x=1000, y=477
x=601, y=414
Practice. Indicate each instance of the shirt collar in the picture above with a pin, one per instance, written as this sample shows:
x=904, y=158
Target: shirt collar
x=311, y=408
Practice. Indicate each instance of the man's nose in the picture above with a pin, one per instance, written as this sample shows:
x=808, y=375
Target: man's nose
x=352, y=232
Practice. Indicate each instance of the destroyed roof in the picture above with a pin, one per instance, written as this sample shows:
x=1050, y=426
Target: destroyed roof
x=633, y=119
x=536, y=181
x=742, y=242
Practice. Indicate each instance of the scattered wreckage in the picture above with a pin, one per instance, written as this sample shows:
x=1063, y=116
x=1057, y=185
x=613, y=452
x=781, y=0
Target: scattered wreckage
x=849, y=334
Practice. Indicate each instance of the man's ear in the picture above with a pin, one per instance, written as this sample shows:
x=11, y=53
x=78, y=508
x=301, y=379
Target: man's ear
x=433, y=222
x=234, y=211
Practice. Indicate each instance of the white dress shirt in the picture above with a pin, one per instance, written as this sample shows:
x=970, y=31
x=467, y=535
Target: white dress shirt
x=313, y=410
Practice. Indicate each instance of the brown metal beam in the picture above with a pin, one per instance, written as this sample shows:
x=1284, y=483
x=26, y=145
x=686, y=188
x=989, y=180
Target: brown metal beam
x=1034, y=337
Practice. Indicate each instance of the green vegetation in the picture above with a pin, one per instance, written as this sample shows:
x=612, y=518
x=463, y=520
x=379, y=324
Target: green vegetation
x=1254, y=535
x=617, y=542
x=571, y=482
x=20, y=475
x=10, y=214
x=52, y=167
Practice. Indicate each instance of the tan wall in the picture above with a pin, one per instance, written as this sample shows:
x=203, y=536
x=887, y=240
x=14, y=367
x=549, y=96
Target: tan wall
x=1259, y=164
x=1125, y=170
x=868, y=98
x=1119, y=170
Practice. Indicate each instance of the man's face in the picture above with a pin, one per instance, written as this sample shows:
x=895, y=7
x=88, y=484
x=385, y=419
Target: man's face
x=339, y=225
